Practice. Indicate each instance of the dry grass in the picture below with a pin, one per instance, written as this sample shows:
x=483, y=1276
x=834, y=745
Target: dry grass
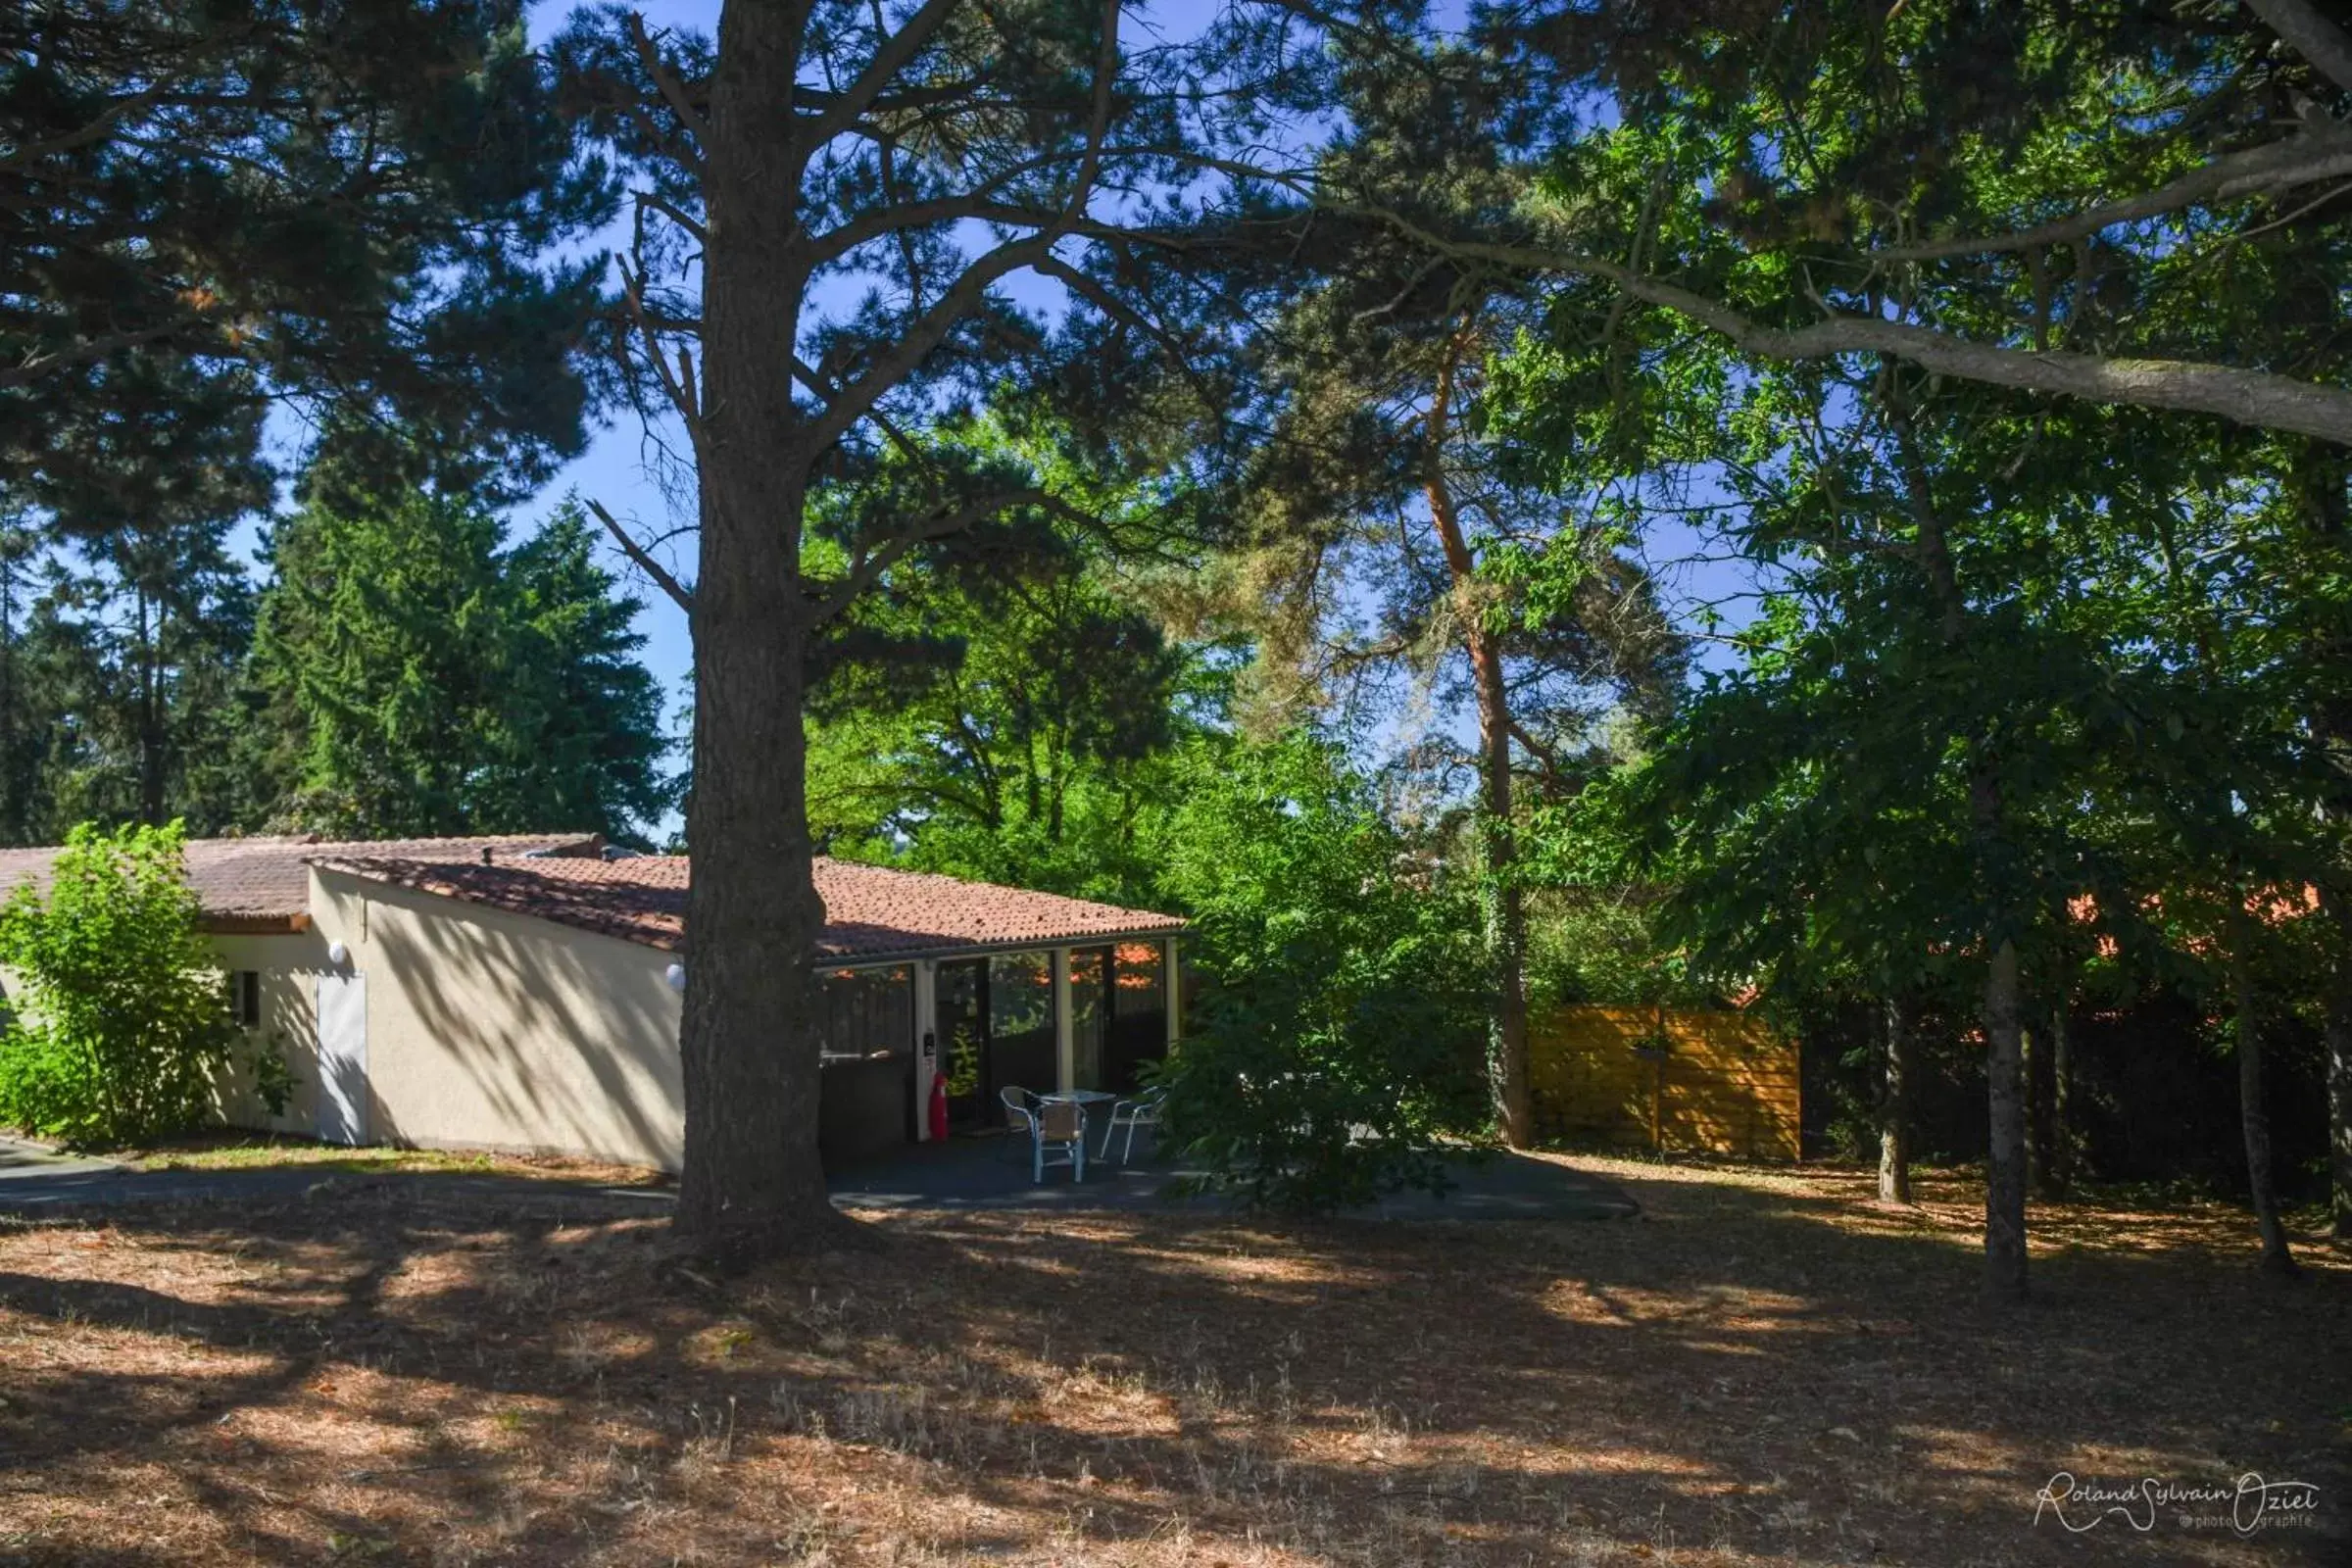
x=1764, y=1368
x=237, y=1151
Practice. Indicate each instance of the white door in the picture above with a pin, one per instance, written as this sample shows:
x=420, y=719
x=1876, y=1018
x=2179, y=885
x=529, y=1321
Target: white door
x=343, y=1059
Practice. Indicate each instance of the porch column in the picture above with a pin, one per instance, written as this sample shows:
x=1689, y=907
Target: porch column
x=1171, y=992
x=1065, y=1028
x=927, y=1043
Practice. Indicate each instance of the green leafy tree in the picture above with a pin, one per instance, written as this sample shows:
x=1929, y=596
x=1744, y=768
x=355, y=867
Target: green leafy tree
x=1340, y=1044
x=148, y=680
x=1005, y=709
x=416, y=677
x=2086, y=202
x=1401, y=530
x=2122, y=207
x=119, y=1029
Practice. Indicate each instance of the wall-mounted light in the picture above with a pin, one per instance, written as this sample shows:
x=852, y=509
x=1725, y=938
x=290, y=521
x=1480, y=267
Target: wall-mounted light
x=675, y=974
x=337, y=954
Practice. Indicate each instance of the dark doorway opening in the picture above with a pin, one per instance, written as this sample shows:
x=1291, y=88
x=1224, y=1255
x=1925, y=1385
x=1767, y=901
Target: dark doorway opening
x=962, y=991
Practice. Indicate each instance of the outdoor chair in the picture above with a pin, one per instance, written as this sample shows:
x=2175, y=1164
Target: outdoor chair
x=1055, y=1125
x=1141, y=1112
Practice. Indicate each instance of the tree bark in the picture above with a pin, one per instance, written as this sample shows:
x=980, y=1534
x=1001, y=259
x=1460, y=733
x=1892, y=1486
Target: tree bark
x=1895, y=1107
x=2033, y=1067
x=2339, y=1082
x=2311, y=35
x=2005, y=1159
x=2058, y=1161
x=2252, y=1109
x=753, y=1184
x=1505, y=909
x=2321, y=476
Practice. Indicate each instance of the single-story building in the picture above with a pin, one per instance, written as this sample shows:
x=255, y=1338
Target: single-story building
x=523, y=992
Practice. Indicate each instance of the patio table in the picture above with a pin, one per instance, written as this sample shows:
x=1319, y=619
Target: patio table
x=1086, y=1100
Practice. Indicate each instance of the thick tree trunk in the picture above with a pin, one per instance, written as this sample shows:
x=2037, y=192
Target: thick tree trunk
x=752, y=1184
x=2005, y=1159
x=2253, y=1109
x=1895, y=1107
x=1505, y=908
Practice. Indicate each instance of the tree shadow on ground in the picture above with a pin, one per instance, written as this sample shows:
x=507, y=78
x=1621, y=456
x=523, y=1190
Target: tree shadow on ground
x=406, y=1372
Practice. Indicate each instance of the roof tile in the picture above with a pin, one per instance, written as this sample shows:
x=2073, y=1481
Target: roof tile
x=270, y=876
x=871, y=912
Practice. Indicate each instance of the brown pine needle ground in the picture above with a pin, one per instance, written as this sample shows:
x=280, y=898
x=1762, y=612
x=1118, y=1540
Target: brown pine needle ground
x=1765, y=1368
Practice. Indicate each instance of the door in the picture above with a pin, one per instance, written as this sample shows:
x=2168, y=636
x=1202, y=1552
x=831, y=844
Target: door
x=961, y=993
x=342, y=1059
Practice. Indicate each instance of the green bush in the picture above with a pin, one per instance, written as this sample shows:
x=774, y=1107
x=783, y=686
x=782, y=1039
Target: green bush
x=119, y=1029
x=1340, y=1042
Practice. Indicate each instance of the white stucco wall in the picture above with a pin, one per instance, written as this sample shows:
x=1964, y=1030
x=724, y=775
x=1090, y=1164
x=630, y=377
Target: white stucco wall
x=289, y=966
x=500, y=1031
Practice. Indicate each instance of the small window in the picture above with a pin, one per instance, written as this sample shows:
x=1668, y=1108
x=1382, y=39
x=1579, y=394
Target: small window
x=245, y=998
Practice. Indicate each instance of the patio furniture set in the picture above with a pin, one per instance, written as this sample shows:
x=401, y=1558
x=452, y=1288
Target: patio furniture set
x=1056, y=1124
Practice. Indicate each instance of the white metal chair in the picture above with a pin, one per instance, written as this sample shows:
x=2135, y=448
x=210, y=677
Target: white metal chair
x=1054, y=1124
x=1141, y=1112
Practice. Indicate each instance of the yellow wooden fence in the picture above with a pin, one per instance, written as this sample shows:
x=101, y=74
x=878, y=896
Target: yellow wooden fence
x=1667, y=1079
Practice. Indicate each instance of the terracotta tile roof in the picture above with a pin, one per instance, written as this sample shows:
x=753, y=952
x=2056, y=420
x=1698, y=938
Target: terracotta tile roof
x=268, y=878
x=871, y=912
x=639, y=900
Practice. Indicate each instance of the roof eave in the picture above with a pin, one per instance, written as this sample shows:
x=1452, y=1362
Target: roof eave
x=234, y=924
x=987, y=949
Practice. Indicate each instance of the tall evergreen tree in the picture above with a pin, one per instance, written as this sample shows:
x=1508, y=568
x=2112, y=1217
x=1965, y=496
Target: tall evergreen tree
x=415, y=677
x=37, y=649
x=164, y=617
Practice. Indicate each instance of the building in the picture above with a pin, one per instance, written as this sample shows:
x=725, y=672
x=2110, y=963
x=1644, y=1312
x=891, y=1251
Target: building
x=523, y=992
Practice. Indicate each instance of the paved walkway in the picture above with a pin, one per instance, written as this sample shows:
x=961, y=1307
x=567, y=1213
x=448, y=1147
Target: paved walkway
x=993, y=1173
x=962, y=1174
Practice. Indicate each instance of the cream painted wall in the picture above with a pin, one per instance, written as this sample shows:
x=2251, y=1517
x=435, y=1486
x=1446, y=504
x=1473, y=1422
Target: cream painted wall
x=289, y=966
x=501, y=1031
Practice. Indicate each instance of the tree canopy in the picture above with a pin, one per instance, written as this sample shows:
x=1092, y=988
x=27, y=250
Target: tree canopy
x=415, y=674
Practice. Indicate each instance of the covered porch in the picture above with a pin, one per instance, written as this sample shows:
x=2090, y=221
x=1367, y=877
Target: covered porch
x=1077, y=1015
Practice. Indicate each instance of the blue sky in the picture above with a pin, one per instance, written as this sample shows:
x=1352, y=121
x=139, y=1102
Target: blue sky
x=618, y=468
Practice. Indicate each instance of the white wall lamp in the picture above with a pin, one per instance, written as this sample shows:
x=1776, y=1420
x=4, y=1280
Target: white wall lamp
x=676, y=976
x=337, y=954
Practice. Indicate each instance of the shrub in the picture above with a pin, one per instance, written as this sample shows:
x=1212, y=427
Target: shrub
x=119, y=1029
x=1340, y=1039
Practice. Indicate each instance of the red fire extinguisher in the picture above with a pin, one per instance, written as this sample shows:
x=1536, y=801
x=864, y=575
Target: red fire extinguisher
x=939, y=1089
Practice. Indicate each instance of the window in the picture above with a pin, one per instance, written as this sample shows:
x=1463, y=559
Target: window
x=866, y=1013
x=245, y=998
